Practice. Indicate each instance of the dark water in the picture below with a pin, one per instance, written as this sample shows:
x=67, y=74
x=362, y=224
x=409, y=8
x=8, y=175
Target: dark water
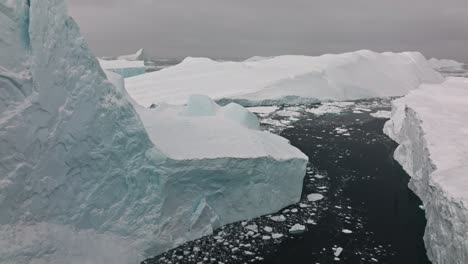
x=365, y=177
x=365, y=192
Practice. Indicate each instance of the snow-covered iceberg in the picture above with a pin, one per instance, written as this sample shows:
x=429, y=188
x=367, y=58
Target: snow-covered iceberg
x=443, y=64
x=87, y=177
x=124, y=67
x=430, y=125
x=286, y=79
x=140, y=55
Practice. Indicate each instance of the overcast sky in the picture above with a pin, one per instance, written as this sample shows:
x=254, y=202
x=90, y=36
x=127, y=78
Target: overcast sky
x=242, y=28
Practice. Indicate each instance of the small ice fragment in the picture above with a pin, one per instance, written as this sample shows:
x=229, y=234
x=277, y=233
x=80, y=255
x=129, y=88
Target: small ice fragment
x=253, y=227
x=297, y=229
x=268, y=229
x=347, y=231
x=314, y=197
x=276, y=235
x=338, y=251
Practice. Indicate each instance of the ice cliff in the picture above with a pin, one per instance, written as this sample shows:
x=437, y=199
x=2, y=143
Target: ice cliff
x=87, y=177
x=286, y=79
x=430, y=125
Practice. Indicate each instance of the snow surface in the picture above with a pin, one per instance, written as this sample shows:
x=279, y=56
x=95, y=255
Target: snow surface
x=84, y=176
x=440, y=64
x=431, y=128
x=286, y=79
x=138, y=56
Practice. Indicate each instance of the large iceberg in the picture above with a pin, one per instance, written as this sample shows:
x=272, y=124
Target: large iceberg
x=431, y=128
x=86, y=176
x=286, y=79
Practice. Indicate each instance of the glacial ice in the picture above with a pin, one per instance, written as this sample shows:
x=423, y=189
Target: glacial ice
x=430, y=125
x=286, y=79
x=89, y=176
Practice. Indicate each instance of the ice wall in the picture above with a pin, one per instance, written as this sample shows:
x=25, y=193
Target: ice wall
x=82, y=179
x=72, y=177
x=429, y=124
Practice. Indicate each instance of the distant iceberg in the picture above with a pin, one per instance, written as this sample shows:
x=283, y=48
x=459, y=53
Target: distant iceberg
x=88, y=176
x=430, y=125
x=140, y=55
x=124, y=67
x=286, y=79
x=441, y=64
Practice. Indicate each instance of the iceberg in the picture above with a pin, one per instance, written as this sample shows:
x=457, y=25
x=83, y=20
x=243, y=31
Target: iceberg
x=444, y=64
x=89, y=176
x=140, y=55
x=124, y=67
x=286, y=79
x=430, y=125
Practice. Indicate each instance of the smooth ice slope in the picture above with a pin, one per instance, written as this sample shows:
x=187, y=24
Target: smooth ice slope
x=140, y=55
x=441, y=64
x=286, y=79
x=83, y=179
x=431, y=128
x=124, y=67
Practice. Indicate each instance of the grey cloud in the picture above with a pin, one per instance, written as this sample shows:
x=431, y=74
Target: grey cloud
x=241, y=28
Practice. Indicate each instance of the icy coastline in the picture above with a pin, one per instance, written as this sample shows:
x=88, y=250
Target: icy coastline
x=429, y=124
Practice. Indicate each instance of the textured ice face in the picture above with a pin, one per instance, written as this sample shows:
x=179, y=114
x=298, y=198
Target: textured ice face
x=430, y=127
x=67, y=164
x=80, y=179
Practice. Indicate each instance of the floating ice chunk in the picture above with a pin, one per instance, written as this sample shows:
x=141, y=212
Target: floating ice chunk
x=253, y=228
x=266, y=237
x=314, y=197
x=338, y=251
x=297, y=229
x=347, y=231
x=277, y=235
x=268, y=229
